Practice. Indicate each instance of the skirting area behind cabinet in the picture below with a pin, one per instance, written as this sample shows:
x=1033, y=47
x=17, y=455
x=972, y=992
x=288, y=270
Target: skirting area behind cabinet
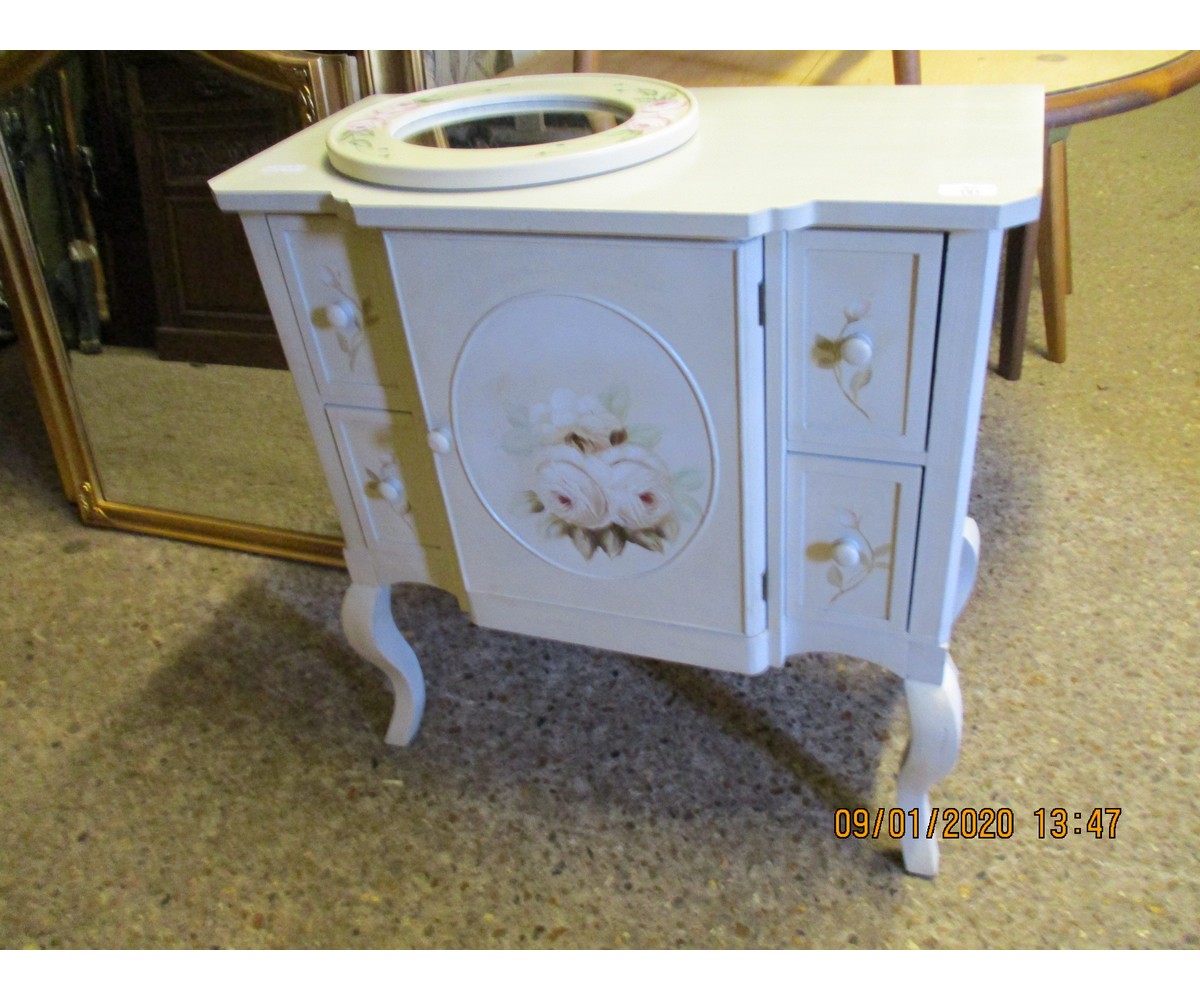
x=192, y=753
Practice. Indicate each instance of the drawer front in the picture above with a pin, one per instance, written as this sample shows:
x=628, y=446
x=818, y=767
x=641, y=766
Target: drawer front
x=862, y=316
x=374, y=447
x=346, y=311
x=851, y=535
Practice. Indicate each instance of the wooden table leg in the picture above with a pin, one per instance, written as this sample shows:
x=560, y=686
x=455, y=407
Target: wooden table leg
x=1019, y=258
x=585, y=61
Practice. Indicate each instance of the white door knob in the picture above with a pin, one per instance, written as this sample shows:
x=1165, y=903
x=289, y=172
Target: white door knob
x=847, y=553
x=857, y=349
x=341, y=315
x=391, y=489
x=439, y=441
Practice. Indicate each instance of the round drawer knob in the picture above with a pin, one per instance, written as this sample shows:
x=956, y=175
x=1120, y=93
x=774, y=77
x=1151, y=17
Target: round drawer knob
x=847, y=553
x=439, y=441
x=857, y=349
x=391, y=489
x=341, y=315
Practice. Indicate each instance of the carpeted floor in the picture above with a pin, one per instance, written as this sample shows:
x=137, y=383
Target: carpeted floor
x=191, y=755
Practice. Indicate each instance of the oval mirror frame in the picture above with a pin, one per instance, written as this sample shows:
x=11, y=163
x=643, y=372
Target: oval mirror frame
x=647, y=118
x=320, y=85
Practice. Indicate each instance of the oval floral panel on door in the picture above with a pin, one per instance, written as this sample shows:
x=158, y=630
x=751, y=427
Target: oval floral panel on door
x=582, y=434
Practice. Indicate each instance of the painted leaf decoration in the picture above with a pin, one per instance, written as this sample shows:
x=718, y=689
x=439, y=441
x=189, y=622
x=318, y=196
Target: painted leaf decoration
x=615, y=399
x=826, y=353
x=647, y=539
x=688, y=507
x=859, y=380
x=689, y=479
x=644, y=435
x=834, y=576
x=612, y=540
x=585, y=541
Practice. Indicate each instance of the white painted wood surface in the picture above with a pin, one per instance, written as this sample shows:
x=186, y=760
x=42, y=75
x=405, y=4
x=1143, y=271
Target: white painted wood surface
x=555, y=323
x=747, y=441
x=764, y=159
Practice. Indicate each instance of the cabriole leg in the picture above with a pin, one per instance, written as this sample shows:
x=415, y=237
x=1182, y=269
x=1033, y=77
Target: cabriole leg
x=371, y=630
x=935, y=712
x=968, y=565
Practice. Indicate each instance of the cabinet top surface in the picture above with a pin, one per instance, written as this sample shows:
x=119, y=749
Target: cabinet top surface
x=763, y=159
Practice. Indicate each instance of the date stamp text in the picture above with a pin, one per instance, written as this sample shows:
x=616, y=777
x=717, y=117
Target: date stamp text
x=1098, y=822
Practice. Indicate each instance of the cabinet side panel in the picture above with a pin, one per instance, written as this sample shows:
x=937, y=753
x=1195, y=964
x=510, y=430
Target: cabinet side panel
x=972, y=266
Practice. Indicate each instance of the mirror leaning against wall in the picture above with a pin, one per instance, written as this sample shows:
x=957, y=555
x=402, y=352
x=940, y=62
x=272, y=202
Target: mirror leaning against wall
x=135, y=301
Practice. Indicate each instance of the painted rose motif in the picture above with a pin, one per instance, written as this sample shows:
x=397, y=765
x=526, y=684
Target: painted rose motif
x=657, y=114
x=580, y=421
x=640, y=490
x=570, y=486
x=358, y=131
x=597, y=479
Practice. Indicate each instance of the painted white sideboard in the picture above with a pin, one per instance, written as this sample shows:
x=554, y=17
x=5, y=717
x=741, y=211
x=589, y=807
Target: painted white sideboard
x=718, y=408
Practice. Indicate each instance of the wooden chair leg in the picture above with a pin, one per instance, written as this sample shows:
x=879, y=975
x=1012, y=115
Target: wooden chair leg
x=1052, y=262
x=1068, y=267
x=906, y=65
x=585, y=61
x=1019, y=256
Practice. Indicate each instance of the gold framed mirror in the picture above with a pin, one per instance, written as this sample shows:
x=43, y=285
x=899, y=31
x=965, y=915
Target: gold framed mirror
x=191, y=431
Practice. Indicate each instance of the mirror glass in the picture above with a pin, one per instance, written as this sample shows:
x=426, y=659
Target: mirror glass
x=173, y=357
x=502, y=130
x=223, y=441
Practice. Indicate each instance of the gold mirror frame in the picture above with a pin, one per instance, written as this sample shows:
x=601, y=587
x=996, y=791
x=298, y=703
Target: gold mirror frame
x=320, y=85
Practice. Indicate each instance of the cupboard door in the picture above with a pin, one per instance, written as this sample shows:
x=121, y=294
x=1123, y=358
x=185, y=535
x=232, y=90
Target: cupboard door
x=862, y=317
x=597, y=420
x=851, y=535
x=346, y=311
